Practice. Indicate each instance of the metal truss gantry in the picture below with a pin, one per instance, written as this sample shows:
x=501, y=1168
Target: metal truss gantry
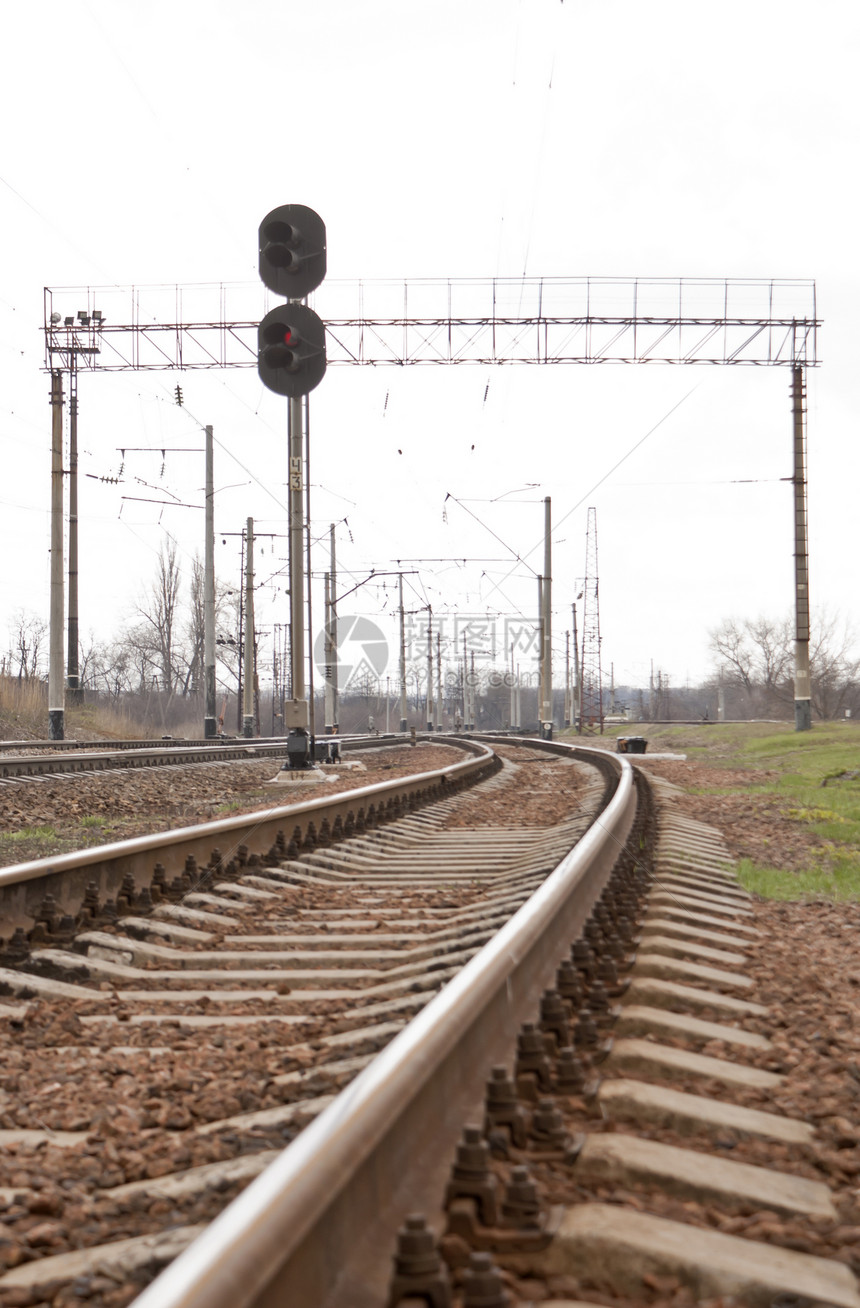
x=550, y=320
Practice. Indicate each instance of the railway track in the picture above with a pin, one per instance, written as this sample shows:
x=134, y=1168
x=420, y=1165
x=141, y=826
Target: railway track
x=576, y=990
x=17, y=762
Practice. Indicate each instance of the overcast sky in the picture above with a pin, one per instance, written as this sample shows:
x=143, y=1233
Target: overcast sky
x=475, y=138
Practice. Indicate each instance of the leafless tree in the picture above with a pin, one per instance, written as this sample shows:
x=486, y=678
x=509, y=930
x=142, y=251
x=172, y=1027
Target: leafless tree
x=756, y=657
x=159, y=611
x=27, y=637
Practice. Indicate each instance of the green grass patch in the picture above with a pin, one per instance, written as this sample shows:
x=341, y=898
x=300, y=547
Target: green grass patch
x=94, y=820
x=28, y=833
x=814, y=777
x=839, y=881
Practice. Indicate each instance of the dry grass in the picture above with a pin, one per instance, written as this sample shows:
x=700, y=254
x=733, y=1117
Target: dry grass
x=24, y=715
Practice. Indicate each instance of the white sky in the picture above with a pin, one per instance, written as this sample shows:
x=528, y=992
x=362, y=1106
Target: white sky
x=459, y=138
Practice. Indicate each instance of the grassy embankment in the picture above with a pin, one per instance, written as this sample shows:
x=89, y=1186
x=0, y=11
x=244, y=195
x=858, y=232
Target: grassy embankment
x=814, y=777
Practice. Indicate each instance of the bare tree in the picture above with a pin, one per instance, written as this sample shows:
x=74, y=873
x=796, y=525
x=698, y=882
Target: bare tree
x=756, y=657
x=159, y=611
x=27, y=636
x=834, y=668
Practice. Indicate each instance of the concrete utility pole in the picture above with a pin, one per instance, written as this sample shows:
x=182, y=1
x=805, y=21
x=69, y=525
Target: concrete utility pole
x=546, y=619
x=514, y=722
x=802, y=683
x=473, y=695
x=72, y=660
x=209, y=723
x=402, y=657
x=248, y=669
x=429, y=669
x=56, y=701
x=577, y=701
x=567, y=678
x=329, y=657
x=438, y=680
x=332, y=627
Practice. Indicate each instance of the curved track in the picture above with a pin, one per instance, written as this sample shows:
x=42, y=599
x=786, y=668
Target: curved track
x=429, y=942
x=208, y=953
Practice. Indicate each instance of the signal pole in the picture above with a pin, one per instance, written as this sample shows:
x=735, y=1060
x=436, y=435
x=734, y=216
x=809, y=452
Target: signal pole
x=297, y=710
x=291, y=361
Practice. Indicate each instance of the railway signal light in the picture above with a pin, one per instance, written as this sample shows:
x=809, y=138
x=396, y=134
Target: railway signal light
x=292, y=250
x=291, y=350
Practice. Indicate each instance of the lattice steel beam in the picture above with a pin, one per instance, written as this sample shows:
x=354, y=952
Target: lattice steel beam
x=542, y=321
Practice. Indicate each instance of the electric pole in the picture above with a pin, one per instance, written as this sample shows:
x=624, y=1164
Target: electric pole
x=546, y=625
x=429, y=669
x=577, y=699
x=567, y=678
x=802, y=683
x=56, y=701
x=248, y=675
x=72, y=660
x=403, y=721
x=333, y=630
x=209, y=724
x=514, y=722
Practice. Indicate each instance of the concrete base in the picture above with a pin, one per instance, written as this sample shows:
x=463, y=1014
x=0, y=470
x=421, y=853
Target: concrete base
x=120, y=1260
x=614, y=1248
x=638, y=1102
x=304, y=777
x=644, y=1057
x=624, y=1160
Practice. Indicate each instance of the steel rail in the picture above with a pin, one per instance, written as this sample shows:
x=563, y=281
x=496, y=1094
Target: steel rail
x=66, y=876
x=23, y=765
x=317, y=1227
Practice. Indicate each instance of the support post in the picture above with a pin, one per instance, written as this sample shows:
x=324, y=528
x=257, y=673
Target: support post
x=546, y=620
x=429, y=669
x=403, y=720
x=514, y=722
x=72, y=662
x=473, y=695
x=577, y=697
x=248, y=651
x=329, y=656
x=296, y=710
x=438, y=680
x=333, y=599
x=210, y=730
x=56, y=700
x=802, y=683
x=567, y=678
